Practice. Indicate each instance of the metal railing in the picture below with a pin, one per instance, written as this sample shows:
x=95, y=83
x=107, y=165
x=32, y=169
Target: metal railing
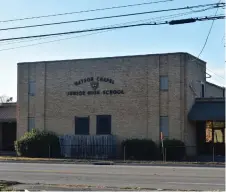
x=89, y=151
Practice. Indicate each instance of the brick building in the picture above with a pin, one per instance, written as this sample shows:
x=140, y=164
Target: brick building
x=128, y=96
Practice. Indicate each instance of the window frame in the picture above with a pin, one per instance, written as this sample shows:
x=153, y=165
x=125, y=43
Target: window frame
x=98, y=129
x=163, y=130
x=161, y=83
x=30, y=124
x=77, y=131
x=31, y=89
x=202, y=90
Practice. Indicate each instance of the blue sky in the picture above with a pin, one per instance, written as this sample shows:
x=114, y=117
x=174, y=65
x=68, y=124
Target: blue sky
x=141, y=40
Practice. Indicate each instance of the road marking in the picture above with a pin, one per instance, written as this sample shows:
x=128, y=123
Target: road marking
x=184, y=183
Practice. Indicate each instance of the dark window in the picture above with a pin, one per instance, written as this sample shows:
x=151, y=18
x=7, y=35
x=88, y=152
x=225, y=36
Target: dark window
x=31, y=88
x=31, y=123
x=164, y=126
x=103, y=125
x=164, y=83
x=81, y=125
x=203, y=90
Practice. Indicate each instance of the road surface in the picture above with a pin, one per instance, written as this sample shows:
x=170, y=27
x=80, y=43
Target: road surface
x=158, y=177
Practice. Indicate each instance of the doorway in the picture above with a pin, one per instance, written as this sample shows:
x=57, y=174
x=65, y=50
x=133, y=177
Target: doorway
x=8, y=131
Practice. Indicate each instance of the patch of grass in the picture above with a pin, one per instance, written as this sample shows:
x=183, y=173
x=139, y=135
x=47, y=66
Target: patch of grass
x=130, y=188
x=6, y=185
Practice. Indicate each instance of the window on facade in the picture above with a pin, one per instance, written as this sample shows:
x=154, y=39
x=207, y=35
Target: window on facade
x=209, y=133
x=215, y=131
x=81, y=125
x=218, y=124
x=31, y=123
x=103, y=125
x=218, y=135
x=202, y=90
x=163, y=83
x=164, y=126
x=31, y=88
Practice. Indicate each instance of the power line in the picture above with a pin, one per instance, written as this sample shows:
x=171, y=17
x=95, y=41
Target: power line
x=81, y=31
x=217, y=80
x=173, y=22
x=216, y=74
x=211, y=27
x=157, y=19
x=113, y=16
x=143, y=20
x=86, y=11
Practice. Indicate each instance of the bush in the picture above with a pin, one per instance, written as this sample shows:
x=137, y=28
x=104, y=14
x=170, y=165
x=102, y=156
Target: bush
x=38, y=144
x=140, y=149
x=175, y=149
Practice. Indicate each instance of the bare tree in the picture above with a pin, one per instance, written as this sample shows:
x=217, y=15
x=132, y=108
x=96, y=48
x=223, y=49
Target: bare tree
x=5, y=99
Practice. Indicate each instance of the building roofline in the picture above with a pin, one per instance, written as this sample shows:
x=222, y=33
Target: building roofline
x=215, y=85
x=112, y=57
x=12, y=104
x=8, y=120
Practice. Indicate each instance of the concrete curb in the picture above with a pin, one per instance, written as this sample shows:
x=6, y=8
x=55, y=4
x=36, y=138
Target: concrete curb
x=179, y=164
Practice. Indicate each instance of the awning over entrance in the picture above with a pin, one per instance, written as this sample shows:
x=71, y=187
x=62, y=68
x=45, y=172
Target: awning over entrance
x=206, y=109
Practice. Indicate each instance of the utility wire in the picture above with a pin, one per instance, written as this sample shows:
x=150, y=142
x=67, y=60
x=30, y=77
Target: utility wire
x=159, y=18
x=211, y=27
x=80, y=31
x=206, y=43
x=216, y=74
x=86, y=11
x=173, y=22
x=110, y=17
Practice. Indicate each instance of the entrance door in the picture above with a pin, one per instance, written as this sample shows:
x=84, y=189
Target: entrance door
x=219, y=145
x=8, y=136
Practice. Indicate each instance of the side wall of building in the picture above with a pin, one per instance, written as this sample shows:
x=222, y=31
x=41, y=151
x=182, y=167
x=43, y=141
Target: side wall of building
x=22, y=99
x=213, y=90
x=195, y=73
x=31, y=106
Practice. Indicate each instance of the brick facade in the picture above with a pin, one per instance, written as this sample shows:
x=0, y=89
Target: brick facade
x=136, y=113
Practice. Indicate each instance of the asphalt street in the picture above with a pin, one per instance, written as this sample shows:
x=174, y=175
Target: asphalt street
x=159, y=177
